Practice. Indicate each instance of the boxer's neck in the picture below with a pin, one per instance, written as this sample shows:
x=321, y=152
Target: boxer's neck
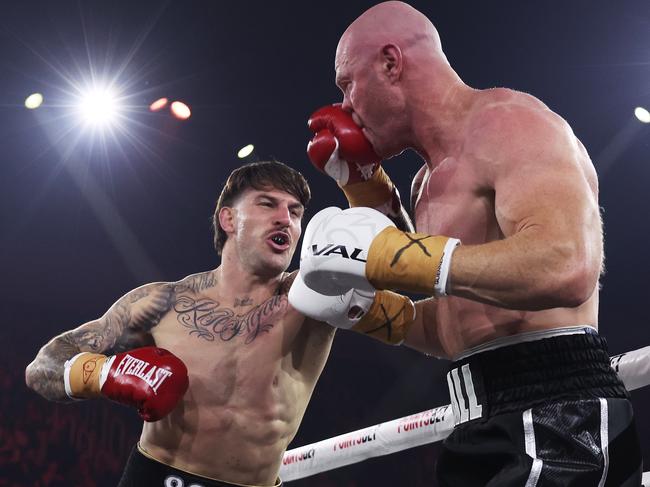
x=236, y=281
x=438, y=129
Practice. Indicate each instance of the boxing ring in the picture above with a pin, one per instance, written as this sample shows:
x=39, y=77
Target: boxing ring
x=419, y=429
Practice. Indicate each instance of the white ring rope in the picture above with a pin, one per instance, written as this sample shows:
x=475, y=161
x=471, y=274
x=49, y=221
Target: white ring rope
x=420, y=429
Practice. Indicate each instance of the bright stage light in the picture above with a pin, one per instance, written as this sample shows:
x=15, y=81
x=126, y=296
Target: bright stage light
x=159, y=104
x=99, y=106
x=642, y=114
x=34, y=101
x=180, y=110
x=245, y=151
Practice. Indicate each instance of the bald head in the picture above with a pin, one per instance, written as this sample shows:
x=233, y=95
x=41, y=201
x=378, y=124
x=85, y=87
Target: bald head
x=395, y=23
x=393, y=75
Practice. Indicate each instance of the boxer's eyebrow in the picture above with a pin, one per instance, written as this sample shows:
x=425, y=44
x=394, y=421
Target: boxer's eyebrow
x=340, y=80
x=297, y=207
x=292, y=206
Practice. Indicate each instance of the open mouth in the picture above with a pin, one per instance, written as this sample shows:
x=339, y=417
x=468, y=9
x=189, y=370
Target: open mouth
x=279, y=241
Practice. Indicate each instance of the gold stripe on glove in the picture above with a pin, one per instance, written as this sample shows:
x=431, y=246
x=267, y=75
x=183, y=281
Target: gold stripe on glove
x=84, y=375
x=388, y=318
x=372, y=193
x=405, y=261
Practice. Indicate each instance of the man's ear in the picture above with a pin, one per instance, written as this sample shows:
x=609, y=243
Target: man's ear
x=227, y=219
x=392, y=62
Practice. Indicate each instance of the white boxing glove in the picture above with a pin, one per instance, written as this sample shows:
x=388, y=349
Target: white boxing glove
x=335, y=249
x=342, y=311
x=360, y=248
x=382, y=315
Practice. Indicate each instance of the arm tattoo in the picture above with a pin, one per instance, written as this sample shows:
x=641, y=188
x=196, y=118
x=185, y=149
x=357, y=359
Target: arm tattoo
x=45, y=374
x=206, y=319
x=138, y=294
x=125, y=326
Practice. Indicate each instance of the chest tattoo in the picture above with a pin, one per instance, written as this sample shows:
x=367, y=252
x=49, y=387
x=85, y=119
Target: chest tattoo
x=210, y=321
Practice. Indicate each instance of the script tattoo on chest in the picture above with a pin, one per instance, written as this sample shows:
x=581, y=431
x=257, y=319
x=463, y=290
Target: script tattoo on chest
x=243, y=302
x=208, y=320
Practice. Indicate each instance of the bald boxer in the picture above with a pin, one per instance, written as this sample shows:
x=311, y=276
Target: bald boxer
x=509, y=249
x=218, y=364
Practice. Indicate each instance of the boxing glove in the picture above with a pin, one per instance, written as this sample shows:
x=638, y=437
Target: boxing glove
x=335, y=249
x=360, y=248
x=150, y=378
x=341, y=150
x=383, y=315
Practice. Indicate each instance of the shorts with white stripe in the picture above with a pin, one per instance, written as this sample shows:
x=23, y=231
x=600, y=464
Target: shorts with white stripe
x=540, y=433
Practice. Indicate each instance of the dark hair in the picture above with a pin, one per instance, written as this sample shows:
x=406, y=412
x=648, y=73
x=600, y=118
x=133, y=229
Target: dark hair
x=258, y=175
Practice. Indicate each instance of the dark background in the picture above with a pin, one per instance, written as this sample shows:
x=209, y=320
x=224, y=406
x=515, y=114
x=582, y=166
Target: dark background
x=83, y=222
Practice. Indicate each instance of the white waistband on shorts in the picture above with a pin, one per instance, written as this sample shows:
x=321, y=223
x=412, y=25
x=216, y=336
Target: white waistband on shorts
x=529, y=336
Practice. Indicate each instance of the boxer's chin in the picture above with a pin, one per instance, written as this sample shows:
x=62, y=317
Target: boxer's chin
x=384, y=146
x=276, y=263
x=386, y=152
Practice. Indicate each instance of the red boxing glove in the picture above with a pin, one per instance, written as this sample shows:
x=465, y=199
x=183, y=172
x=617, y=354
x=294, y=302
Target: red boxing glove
x=151, y=379
x=339, y=148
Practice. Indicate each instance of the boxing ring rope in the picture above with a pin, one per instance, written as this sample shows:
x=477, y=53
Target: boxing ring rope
x=420, y=429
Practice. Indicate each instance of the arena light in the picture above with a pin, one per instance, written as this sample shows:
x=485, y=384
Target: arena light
x=642, y=114
x=180, y=110
x=99, y=106
x=245, y=151
x=159, y=104
x=33, y=101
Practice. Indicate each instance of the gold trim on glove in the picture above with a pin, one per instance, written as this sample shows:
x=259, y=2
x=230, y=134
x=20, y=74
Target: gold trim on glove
x=405, y=261
x=372, y=193
x=388, y=319
x=84, y=375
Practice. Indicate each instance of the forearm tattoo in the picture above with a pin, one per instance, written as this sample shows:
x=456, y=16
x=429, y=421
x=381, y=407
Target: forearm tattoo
x=124, y=327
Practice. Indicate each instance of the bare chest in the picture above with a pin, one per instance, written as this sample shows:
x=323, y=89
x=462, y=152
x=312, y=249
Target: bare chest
x=233, y=354
x=453, y=200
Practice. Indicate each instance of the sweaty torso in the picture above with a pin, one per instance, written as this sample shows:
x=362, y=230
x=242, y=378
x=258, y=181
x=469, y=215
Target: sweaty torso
x=252, y=368
x=454, y=197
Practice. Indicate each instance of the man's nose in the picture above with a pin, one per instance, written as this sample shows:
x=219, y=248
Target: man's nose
x=282, y=216
x=346, y=105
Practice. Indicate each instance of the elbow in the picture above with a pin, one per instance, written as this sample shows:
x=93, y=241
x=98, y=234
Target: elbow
x=576, y=289
x=31, y=376
x=573, y=282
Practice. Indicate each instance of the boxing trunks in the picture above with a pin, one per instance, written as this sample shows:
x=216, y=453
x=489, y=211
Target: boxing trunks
x=144, y=471
x=540, y=409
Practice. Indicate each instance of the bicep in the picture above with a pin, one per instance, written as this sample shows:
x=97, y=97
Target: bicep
x=311, y=348
x=126, y=325
x=541, y=182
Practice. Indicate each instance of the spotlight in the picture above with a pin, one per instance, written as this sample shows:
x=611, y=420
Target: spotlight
x=99, y=106
x=159, y=104
x=34, y=101
x=180, y=110
x=642, y=114
x=245, y=151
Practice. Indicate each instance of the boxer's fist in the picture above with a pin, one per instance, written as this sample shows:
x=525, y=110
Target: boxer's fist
x=150, y=379
x=361, y=248
x=383, y=315
x=335, y=249
x=339, y=148
x=342, y=311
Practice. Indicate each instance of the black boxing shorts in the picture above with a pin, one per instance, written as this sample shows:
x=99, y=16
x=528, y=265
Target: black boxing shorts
x=143, y=471
x=540, y=409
